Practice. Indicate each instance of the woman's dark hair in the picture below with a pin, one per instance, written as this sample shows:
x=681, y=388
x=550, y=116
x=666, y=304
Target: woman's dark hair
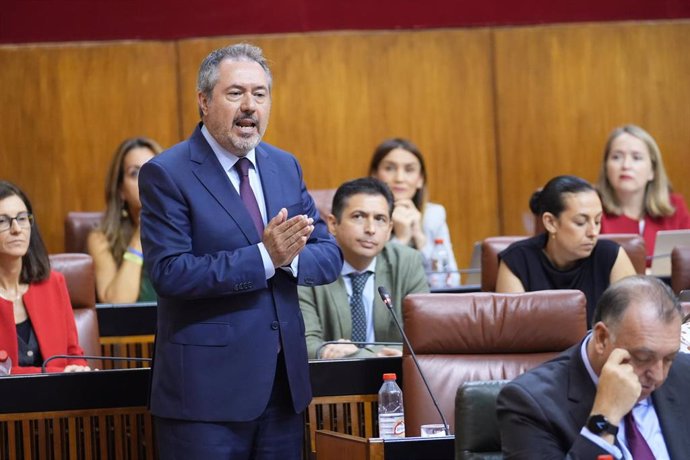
x=35, y=263
x=117, y=224
x=550, y=198
x=384, y=148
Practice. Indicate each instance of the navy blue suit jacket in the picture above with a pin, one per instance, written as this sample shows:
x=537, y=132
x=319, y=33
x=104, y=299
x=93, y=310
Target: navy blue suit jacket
x=219, y=319
x=542, y=412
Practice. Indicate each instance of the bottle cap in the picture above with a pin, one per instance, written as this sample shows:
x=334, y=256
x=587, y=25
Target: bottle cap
x=4, y=356
x=438, y=241
x=391, y=376
x=605, y=457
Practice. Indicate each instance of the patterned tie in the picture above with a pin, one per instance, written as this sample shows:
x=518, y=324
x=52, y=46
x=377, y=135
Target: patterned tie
x=638, y=447
x=247, y=194
x=359, y=318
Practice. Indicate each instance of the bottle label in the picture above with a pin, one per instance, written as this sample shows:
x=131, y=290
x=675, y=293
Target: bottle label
x=392, y=425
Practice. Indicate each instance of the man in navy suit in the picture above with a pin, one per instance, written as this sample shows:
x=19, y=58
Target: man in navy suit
x=228, y=232
x=623, y=391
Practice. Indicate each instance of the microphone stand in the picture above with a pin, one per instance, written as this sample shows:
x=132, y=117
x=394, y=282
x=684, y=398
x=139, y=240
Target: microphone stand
x=386, y=297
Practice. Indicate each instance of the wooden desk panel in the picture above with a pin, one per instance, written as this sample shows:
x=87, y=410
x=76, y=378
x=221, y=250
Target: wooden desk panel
x=99, y=415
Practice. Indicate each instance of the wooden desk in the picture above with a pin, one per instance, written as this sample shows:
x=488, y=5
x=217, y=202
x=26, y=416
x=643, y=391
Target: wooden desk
x=103, y=415
x=127, y=330
x=337, y=446
x=86, y=415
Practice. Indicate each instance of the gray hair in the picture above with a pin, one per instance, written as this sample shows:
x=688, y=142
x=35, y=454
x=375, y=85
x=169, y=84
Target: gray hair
x=208, y=71
x=635, y=289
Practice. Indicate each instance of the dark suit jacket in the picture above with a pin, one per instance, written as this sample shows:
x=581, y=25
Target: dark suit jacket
x=326, y=309
x=542, y=412
x=219, y=319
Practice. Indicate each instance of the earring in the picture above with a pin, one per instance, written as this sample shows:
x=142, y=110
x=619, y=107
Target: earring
x=553, y=236
x=124, y=213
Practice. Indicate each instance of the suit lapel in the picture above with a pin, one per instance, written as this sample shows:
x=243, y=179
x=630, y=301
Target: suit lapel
x=270, y=182
x=208, y=170
x=338, y=298
x=672, y=419
x=581, y=390
x=382, y=319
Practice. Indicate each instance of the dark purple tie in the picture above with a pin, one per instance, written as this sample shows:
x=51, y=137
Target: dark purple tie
x=638, y=447
x=247, y=194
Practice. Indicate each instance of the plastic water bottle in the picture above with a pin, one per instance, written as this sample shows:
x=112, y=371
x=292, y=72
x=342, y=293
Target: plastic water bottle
x=391, y=412
x=5, y=363
x=439, y=276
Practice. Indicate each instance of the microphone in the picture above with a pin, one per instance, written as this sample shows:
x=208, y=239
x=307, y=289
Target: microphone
x=107, y=358
x=338, y=342
x=386, y=297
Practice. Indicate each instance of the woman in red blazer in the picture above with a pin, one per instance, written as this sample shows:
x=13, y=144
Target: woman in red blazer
x=635, y=190
x=36, y=318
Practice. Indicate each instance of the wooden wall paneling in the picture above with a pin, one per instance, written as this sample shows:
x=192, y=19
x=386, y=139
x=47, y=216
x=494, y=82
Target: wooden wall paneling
x=65, y=108
x=337, y=95
x=561, y=89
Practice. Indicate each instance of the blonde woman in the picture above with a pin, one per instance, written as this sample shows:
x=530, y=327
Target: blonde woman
x=116, y=245
x=634, y=188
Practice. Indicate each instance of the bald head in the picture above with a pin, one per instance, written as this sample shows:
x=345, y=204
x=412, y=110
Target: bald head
x=640, y=316
x=637, y=290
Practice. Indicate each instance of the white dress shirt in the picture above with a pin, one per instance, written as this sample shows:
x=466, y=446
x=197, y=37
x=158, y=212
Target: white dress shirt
x=227, y=161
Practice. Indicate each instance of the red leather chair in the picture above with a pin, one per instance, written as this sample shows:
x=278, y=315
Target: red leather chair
x=81, y=285
x=632, y=244
x=491, y=247
x=481, y=336
x=323, y=198
x=77, y=228
x=680, y=269
x=634, y=247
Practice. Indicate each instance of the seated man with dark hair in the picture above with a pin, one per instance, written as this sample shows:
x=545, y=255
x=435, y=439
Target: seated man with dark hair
x=349, y=309
x=623, y=391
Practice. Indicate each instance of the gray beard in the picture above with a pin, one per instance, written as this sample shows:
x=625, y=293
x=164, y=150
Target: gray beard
x=241, y=145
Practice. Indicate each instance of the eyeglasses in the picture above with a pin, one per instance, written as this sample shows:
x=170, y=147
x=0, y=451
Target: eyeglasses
x=23, y=219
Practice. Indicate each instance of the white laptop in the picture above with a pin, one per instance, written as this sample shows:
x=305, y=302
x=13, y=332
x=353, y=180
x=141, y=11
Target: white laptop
x=666, y=240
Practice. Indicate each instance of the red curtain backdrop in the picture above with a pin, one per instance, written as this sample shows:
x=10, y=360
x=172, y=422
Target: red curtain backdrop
x=24, y=21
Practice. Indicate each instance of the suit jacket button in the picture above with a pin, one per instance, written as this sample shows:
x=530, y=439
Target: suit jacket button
x=274, y=325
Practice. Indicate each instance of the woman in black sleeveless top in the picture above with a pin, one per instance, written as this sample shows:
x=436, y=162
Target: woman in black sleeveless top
x=568, y=255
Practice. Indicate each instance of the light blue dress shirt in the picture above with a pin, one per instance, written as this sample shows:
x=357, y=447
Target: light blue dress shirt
x=645, y=417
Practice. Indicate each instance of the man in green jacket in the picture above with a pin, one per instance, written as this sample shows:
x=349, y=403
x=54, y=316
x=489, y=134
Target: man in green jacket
x=349, y=309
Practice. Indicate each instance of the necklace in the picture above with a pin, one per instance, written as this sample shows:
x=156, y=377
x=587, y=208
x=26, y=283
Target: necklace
x=15, y=297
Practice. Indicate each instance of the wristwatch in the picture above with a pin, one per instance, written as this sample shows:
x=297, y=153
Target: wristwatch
x=599, y=424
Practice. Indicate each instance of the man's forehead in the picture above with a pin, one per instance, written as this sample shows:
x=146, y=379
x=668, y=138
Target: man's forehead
x=366, y=202
x=642, y=328
x=243, y=68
